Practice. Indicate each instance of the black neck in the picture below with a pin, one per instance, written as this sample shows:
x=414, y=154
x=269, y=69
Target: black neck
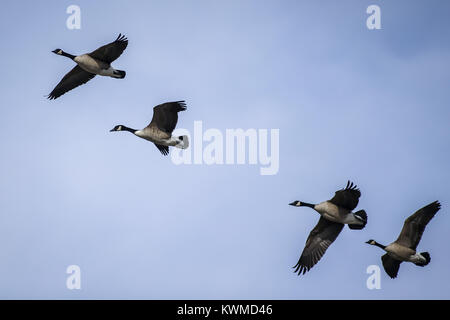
x=68, y=55
x=125, y=128
x=306, y=204
x=379, y=245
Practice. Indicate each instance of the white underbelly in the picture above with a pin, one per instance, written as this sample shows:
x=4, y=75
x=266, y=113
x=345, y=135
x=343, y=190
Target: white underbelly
x=107, y=72
x=165, y=142
x=329, y=211
x=417, y=258
x=91, y=65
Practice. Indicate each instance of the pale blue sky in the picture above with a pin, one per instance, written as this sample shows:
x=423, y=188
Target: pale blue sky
x=350, y=103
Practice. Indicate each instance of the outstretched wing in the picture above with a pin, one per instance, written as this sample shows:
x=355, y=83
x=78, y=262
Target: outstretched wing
x=163, y=149
x=319, y=239
x=347, y=198
x=165, y=116
x=111, y=51
x=71, y=80
x=414, y=226
x=390, y=265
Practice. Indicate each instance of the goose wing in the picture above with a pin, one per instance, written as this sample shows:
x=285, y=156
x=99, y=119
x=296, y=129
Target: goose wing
x=111, y=51
x=165, y=116
x=163, y=149
x=414, y=226
x=390, y=265
x=71, y=80
x=348, y=197
x=319, y=239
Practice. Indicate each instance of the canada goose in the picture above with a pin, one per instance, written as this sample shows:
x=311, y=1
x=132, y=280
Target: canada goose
x=404, y=248
x=159, y=131
x=89, y=65
x=334, y=214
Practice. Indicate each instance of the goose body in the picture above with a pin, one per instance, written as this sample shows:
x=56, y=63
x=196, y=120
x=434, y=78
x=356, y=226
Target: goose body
x=89, y=65
x=159, y=131
x=95, y=66
x=400, y=252
x=334, y=214
x=404, y=248
x=405, y=254
x=157, y=136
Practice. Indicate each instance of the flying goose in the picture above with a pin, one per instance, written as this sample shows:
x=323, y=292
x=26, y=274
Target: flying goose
x=404, y=248
x=89, y=65
x=159, y=131
x=334, y=214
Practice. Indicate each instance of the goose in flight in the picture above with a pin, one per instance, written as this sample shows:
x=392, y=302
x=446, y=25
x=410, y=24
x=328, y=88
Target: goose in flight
x=88, y=65
x=159, y=131
x=404, y=248
x=334, y=214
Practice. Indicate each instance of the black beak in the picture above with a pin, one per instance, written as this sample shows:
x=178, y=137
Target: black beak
x=112, y=130
x=293, y=203
x=368, y=242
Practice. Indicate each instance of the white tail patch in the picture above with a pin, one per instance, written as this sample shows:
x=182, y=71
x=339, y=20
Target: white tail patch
x=182, y=142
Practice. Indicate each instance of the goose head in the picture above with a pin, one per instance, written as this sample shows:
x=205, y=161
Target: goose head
x=58, y=51
x=117, y=128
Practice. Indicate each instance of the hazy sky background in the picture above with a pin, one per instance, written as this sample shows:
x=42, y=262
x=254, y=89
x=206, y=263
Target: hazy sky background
x=351, y=103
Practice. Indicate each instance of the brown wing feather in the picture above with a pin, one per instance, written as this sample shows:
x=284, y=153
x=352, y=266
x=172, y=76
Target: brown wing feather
x=414, y=226
x=163, y=149
x=319, y=239
x=111, y=51
x=390, y=265
x=165, y=116
x=348, y=197
x=71, y=80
